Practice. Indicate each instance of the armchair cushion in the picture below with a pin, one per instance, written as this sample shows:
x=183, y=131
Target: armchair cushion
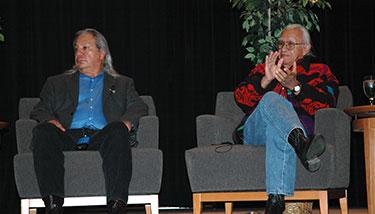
x=230, y=168
x=86, y=178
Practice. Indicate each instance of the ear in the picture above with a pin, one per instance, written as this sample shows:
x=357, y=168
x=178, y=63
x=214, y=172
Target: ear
x=306, y=49
x=102, y=55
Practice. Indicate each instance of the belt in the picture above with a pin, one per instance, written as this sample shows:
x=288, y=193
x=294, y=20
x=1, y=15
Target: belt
x=83, y=132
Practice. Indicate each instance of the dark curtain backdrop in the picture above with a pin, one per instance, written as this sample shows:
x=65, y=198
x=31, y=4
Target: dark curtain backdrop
x=180, y=52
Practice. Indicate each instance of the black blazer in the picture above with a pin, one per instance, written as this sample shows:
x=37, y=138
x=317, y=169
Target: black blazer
x=59, y=99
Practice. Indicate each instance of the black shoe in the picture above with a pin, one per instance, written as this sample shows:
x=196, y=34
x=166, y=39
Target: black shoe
x=53, y=204
x=275, y=204
x=116, y=207
x=308, y=151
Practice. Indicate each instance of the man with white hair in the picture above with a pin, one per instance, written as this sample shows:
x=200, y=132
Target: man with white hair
x=280, y=98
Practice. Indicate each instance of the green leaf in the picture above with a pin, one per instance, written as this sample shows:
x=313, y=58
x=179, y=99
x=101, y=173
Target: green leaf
x=261, y=41
x=250, y=49
x=250, y=56
x=244, y=41
x=269, y=39
x=259, y=60
x=2, y=37
x=304, y=2
x=301, y=15
x=245, y=25
x=277, y=32
x=291, y=18
x=328, y=5
x=252, y=23
x=265, y=47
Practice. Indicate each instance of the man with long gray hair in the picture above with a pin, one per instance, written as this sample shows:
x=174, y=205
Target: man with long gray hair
x=90, y=107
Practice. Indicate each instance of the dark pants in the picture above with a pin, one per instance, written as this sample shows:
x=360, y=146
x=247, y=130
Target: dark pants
x=49, y=142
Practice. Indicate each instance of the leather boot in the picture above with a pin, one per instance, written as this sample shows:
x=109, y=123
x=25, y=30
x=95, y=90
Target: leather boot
x=308, y=151
x=275, y=204
x=116, y=207
x=53, y=204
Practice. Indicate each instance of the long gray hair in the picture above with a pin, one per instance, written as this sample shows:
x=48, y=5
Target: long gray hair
x=101, y=44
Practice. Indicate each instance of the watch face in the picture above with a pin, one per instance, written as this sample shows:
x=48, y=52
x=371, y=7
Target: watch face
x=297, y=88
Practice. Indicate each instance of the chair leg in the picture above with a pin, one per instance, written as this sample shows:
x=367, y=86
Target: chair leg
x=228, y=207
x=323, y=202
x=344, y=204
x=148, y=208
x=155, y=205
x=25, y=208
x=197, y=203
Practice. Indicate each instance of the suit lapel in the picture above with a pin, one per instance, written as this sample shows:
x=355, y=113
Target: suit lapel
x=73, y=85
x=108, y=87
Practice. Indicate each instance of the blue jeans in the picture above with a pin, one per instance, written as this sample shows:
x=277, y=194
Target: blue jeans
x=270, y=125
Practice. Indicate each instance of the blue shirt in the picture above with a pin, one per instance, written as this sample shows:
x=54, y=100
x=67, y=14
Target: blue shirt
x=89, y=111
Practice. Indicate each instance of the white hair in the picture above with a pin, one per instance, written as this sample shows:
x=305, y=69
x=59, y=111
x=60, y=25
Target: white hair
x=305, y=32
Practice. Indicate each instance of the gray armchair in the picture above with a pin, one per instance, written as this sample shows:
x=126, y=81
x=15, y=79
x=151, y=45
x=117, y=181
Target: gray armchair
x=84, y=179
x=228, y=173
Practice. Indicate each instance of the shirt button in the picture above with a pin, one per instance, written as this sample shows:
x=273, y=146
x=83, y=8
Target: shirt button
x=91, y=107
x=90, y=118
x=91, y=90
x=91, y=99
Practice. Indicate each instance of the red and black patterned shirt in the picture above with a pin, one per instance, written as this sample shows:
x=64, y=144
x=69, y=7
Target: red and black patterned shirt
x=319, y=90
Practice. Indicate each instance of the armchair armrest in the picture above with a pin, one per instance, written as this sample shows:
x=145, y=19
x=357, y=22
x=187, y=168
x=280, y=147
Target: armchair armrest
x=24, y=134
x=148, y=132
x=334, y=125
x=212, y=129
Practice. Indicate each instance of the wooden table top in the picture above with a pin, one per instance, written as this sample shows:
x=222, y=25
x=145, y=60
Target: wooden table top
x=3, y=125
x=361, y=111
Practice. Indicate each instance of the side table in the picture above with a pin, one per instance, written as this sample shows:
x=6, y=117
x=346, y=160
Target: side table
x=3, y=128
x=364, y=121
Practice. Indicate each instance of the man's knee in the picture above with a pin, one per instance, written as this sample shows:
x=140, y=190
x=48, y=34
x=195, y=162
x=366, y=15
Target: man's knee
x=114, y=135
x=271, y=98
x=41, y=133
x=44, y=129
x=117, y=128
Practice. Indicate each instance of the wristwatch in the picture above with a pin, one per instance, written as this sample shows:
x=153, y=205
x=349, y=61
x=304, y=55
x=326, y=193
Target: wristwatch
x=297, y=88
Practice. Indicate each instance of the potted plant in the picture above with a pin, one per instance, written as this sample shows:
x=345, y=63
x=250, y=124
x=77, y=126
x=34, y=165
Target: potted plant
x=2, y=38
x=263, y=21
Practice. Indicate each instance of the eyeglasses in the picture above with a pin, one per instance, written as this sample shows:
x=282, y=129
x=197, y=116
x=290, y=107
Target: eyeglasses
x=288, y=45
